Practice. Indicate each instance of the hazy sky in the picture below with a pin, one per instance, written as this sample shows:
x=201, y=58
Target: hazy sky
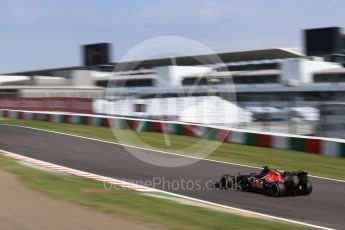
x=37, y=34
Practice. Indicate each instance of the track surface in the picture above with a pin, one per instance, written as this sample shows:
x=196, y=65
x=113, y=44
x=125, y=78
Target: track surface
x=324, y=207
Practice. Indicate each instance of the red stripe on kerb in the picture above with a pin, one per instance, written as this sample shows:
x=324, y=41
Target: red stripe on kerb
x=264, y=140
x=157, y=127
x=312, y=146
x=190, y=130
x=223, y=135
x=132, y=124
x=106, y=123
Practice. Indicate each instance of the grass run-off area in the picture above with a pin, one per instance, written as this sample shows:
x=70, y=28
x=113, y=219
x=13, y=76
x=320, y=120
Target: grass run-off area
x=135, y=205
x=317, y=165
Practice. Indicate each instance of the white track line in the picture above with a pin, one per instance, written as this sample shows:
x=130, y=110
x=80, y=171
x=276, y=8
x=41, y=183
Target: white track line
x=75, y=172
x=158, y=151
x=141, y=188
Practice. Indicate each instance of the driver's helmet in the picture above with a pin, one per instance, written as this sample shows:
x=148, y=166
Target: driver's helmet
x=264, y=171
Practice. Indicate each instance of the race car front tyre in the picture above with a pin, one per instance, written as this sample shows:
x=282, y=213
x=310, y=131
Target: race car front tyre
x=226, y=182
x=277, y=189
x=307, y=188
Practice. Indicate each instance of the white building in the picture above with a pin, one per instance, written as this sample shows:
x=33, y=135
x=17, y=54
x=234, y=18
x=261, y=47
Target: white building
x=204, y=109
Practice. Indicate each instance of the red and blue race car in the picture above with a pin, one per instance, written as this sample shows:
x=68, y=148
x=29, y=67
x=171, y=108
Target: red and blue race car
x=269, y=181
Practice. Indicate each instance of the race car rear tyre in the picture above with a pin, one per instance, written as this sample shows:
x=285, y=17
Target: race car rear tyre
x=277, y=189
x=226, y=181
x=307, y=188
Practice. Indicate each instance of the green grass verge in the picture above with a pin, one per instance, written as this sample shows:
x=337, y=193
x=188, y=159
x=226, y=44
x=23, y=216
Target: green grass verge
x=317, y=165
x=132, y=204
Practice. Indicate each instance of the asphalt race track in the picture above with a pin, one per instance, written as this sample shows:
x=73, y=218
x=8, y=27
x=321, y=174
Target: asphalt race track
x=324, y=207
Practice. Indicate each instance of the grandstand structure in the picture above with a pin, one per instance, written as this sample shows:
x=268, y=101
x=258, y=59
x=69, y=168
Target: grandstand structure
x=273, y=74
x=268, y=78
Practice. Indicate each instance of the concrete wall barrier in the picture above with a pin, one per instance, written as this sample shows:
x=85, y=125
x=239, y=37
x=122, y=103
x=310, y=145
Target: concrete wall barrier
x=314, y=145
x=66, y=104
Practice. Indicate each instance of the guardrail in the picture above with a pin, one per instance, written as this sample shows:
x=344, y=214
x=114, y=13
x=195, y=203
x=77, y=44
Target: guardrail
x=316, y=145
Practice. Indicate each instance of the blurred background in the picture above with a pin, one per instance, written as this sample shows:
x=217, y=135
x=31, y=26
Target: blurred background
x=253, y=67
x=253, y=85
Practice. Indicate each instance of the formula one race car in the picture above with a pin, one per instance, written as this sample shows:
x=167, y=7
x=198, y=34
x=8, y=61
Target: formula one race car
x=269, y=181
